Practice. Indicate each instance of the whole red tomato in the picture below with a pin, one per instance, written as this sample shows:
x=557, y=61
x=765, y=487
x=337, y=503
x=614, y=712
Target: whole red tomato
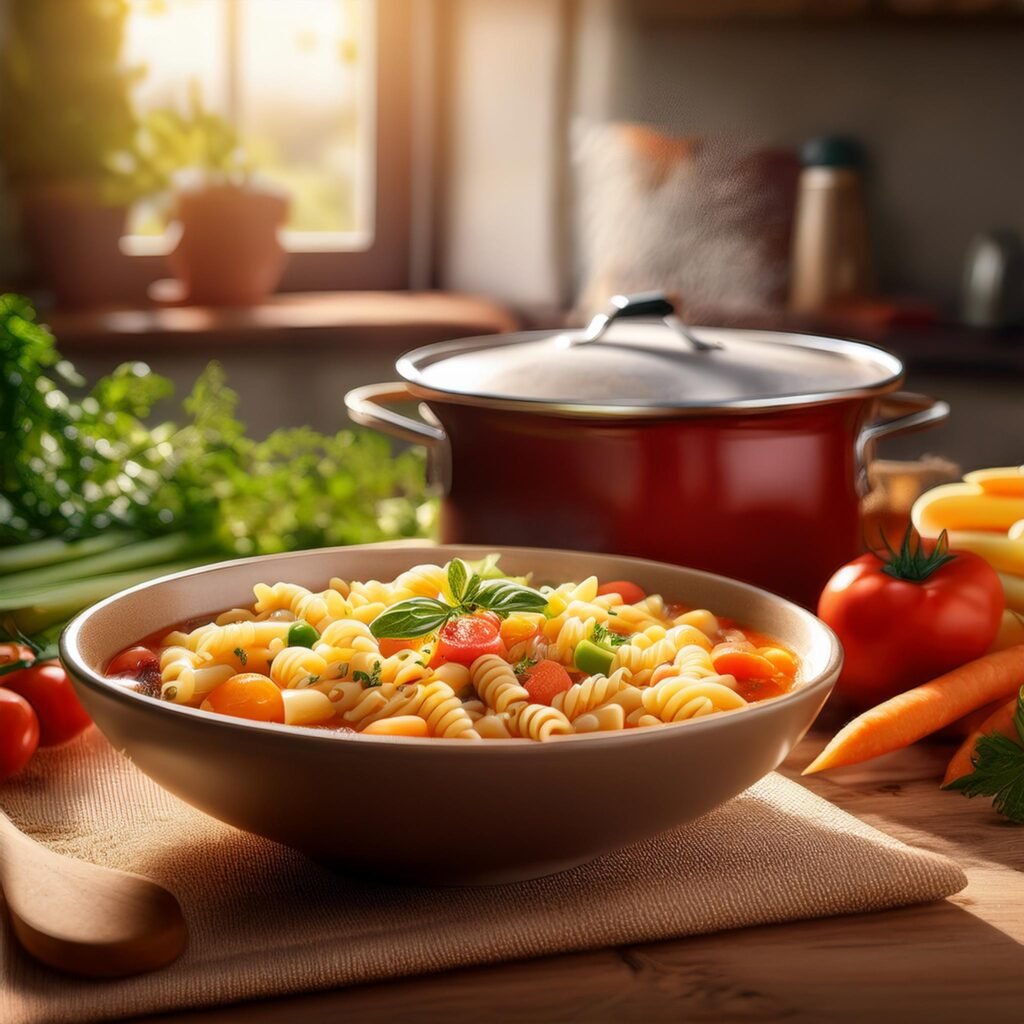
x=910, y=616
x=45, y=685
x=19, y=733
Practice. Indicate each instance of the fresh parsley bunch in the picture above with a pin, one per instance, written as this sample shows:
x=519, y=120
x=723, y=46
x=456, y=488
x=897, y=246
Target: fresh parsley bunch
x=420, y=616
x=999, y=769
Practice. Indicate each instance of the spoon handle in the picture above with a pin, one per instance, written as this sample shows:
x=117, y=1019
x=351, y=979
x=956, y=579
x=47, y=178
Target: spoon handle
x=83, y=918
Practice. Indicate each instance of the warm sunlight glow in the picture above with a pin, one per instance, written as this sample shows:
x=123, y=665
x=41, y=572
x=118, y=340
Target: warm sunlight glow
x=295, y=78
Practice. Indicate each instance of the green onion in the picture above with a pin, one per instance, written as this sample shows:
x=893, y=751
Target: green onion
x=53, y=550
x=132, y=556
x=33, y=611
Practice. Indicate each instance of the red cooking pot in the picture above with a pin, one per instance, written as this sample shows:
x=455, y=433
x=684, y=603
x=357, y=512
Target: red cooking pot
x=741, y=452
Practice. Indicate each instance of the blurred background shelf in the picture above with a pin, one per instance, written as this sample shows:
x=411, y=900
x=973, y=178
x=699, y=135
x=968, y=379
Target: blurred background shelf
x=292, y=358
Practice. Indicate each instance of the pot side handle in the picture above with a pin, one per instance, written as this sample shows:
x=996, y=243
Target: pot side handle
x=367, y=406
x=901, y=412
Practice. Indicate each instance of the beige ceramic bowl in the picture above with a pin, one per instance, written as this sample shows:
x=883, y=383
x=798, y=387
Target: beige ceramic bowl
x=443, y=811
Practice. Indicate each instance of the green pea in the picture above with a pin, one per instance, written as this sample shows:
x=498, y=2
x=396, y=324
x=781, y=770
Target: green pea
x=592, y=659
x=302, y=634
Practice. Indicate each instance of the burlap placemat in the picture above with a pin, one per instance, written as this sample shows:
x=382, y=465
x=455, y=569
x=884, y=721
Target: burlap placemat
x=266, y=921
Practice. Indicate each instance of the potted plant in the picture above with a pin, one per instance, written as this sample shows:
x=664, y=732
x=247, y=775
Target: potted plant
x=228, y=251
x=67, y=112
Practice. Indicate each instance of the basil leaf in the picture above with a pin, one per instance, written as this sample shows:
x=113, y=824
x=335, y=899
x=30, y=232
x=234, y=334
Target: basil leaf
x=458, y=576
x=410, y=619
x=472, y=587
x=487, y=567
x=504, y=596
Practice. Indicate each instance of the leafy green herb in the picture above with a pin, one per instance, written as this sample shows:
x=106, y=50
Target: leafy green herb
x=524, y=665
x=999, y=770
x=240, y=654
x=487, y=568
x=420, y=616
x=76, y=464
x=458, y=579
x=71, y=467
x=410, y=619
x=606, y=637
x=371, y=679
x=506, y=596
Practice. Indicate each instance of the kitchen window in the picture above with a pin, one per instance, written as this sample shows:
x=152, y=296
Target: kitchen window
x=301, y=81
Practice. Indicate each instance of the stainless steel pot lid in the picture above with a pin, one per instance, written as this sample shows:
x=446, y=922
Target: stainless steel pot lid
x=631, y=365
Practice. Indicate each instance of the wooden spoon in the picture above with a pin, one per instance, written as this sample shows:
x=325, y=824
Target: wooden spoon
x=83, y=918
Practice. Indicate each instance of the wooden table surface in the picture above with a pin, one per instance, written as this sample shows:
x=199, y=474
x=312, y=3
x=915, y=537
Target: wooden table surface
x=959, y=960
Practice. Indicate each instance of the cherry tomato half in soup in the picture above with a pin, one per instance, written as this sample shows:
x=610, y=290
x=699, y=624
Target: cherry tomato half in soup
x=467, y=638
x=492, y=617
x=135, y=662
x=629, y=592
x=545, y=680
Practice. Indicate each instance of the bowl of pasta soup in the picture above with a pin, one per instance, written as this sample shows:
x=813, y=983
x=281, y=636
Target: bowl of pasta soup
x=543, y=714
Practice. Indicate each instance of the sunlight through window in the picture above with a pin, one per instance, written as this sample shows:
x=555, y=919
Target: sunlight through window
x=295, y=79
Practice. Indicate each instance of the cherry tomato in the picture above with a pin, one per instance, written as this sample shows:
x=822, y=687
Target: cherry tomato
x=467, y=638
x=247, y=695
x=134, y=662
x=489, y=616
x=19, y=733
x=629, y=592
x=545, y=680
x=45, y=685
x=899, y=632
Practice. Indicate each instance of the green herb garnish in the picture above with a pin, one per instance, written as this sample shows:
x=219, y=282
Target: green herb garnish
x=603, y=635
x=999, y=769
x=369, y=679
x=420, y=616
x=523, y=665
x=240, y=654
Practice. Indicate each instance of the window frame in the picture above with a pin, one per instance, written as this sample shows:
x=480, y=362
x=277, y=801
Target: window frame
x=380, y=262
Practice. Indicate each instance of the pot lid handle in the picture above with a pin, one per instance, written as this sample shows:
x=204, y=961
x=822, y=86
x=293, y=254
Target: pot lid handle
x=642, y=304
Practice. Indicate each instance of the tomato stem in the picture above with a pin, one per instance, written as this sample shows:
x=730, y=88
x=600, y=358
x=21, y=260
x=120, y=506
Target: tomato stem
x=912, y=562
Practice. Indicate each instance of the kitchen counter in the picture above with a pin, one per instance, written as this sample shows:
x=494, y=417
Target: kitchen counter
x=961, y=959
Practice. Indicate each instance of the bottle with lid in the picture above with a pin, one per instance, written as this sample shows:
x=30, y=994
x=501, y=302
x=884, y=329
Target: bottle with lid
x=831, y=261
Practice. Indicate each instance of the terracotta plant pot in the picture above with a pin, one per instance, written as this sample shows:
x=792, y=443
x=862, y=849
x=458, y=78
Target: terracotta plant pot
x=73, y=242
x=229, y=253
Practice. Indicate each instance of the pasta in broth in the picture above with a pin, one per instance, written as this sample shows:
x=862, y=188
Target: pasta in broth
x=462, y=652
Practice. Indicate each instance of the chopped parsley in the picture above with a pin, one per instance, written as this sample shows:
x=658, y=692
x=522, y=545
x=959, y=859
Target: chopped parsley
x=603, y=635
x=369, y=679
x=240, y=654
x=524, y=665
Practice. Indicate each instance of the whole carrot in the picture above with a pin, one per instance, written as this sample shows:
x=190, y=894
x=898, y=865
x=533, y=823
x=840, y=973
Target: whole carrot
x=999, y=721
x=909, y=716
